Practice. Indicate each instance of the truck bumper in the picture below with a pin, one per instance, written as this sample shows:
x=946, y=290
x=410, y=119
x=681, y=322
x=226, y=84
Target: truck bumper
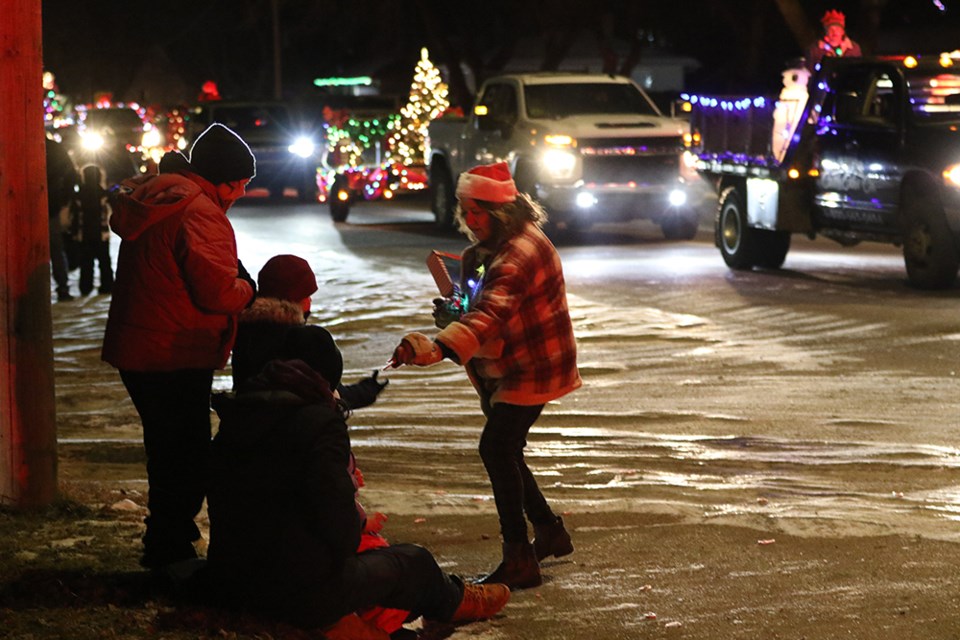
x=601, y=203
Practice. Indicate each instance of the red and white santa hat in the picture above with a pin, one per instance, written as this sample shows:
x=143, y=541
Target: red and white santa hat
x=488, y=182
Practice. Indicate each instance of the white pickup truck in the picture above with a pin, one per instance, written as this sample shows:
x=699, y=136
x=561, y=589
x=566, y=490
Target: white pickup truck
x=589, y=147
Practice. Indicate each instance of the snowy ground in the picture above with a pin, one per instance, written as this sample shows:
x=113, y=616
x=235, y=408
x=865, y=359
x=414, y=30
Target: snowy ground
x=753, y=455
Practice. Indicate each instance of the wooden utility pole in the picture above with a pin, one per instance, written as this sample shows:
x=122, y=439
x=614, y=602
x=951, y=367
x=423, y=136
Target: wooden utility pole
x=28, y=445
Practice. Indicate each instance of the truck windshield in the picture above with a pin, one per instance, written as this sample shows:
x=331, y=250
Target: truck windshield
x=935, y=97
x=564, y=100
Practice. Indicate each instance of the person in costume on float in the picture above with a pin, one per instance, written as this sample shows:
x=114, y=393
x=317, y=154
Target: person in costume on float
x=835, y=42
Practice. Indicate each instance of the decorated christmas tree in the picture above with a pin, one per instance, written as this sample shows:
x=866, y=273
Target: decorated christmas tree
x=55, y=107
x=428, y=99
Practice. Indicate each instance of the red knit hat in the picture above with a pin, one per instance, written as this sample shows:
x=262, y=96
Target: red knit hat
x=488, y=182
x=833, y=17
x=286, y=277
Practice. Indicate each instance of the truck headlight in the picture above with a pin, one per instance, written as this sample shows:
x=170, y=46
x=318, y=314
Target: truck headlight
x=91, y=140
x=302, y=147
x=951, y=175
x=559, y=163
x=678, y=198
x=151, y=139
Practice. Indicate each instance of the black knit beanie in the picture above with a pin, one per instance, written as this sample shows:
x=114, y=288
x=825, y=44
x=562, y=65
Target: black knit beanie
x=314, y=345
x=221, y=156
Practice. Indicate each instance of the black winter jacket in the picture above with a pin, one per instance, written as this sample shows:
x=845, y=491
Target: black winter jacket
x=281, y=504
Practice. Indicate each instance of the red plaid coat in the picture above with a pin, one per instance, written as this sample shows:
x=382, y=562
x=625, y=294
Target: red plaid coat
x=516, y=339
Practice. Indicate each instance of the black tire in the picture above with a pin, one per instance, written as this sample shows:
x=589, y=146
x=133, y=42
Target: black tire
x=339, y=209
x=737, y=242
x=680, y=224
x=773, y=247
x=929, y=248
x=441, y=195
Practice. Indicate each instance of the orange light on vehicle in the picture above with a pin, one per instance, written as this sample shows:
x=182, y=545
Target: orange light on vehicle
x=814, y=173
x=343, y=196
x=793, y=174
x=480, y=110
x=910, y=62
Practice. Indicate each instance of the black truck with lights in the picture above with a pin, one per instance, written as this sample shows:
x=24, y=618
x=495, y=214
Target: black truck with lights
x=867, y=149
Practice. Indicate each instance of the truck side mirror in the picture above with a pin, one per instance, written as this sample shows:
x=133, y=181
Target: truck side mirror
x=485, y=120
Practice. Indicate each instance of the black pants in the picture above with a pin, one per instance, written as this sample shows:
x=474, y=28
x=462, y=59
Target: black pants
x=174, y=407
x=402, y=576
x=98, y=251
x=515, y=490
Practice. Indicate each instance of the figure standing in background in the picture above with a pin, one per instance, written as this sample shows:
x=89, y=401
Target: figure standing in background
x=90, y=228
x=61, y=182
x=835, y=42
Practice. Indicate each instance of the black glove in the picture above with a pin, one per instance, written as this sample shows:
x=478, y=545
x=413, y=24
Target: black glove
x=363, y=393
x=243, y=274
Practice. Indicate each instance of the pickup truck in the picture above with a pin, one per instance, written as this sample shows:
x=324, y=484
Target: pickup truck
x=870, y=153
x=589, y=147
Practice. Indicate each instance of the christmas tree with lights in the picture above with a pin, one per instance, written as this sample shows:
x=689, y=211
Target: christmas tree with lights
x=55, y=113
x=428, y=99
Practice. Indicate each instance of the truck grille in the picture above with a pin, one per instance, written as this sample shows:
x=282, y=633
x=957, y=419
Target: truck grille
x=631, y=161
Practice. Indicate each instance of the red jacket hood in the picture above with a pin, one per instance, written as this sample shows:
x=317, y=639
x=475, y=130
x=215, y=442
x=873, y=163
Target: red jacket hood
x=143, y=201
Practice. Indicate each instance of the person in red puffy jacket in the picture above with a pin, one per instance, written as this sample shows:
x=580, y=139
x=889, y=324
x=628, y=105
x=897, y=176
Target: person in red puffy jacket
x=178, y=290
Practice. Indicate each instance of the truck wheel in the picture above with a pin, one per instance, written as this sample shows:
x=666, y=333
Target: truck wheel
x=929, y=248
x=441, y=195
x=737, y=241
x=680, y=224
x=772, y=248
x=339, y=205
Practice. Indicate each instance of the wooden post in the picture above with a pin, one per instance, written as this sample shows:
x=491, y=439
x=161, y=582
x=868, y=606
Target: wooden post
x=28, y=444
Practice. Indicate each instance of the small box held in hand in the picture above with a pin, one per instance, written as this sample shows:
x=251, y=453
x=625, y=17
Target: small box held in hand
x=441, y=275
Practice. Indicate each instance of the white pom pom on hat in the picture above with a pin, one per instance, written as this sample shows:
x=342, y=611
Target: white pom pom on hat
x=488, y=182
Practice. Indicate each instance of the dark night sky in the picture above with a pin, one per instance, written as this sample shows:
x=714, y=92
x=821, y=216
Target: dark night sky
x=169, y=48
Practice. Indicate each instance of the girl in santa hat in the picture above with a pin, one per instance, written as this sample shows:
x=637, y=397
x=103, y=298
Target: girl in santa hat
x=511, y=331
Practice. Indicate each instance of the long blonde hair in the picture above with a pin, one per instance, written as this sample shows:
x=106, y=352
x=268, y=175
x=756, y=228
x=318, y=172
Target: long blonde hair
x=509, y=217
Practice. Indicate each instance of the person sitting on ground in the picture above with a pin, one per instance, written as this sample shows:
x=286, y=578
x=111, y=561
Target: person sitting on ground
x=284, y=286
x=284, y=524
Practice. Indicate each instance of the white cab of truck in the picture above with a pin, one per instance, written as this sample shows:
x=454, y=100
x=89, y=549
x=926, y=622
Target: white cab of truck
x=589, y=147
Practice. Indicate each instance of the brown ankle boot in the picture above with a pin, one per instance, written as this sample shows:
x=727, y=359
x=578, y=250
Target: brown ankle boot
x=481, y=601
x=552, y=540
x=519, y=569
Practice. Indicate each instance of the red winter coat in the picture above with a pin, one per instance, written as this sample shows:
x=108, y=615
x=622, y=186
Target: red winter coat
x=176, y=295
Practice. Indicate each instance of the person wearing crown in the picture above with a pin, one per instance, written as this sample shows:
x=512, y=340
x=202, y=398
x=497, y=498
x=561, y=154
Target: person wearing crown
x=835, y=42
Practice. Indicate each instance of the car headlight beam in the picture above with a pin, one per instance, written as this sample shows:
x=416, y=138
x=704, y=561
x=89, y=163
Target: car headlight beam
x=559, y=163
x=91, y=140
x=302, y=147
x=951, y=175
